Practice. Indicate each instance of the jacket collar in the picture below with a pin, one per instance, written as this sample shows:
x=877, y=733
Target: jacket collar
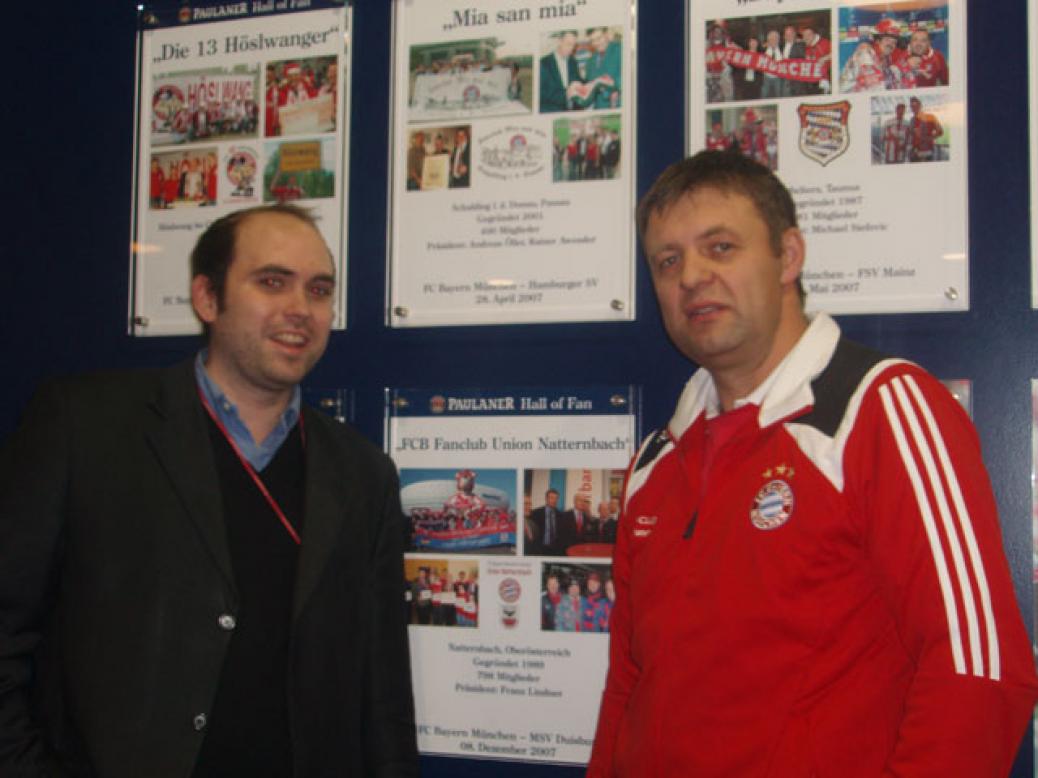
x=784, y=393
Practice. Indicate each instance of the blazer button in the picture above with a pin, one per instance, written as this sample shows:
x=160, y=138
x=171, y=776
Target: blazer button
x=226, y=621
x=199, y=722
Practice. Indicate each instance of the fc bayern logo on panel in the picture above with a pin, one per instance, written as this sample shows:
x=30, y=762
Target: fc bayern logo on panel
x=772, y=506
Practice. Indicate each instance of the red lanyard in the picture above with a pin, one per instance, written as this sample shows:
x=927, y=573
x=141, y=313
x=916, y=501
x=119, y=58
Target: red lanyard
x=249, y=469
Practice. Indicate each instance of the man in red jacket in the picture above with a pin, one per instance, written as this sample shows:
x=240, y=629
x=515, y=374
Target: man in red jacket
x=809, y=572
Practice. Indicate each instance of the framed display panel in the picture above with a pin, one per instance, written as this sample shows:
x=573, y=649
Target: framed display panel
x=513, y=500
x=512, y=164
x=237, y=106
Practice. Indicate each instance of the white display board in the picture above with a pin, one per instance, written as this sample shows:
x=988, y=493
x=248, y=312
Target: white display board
x=512, y=149
x=861, y=110
x=238, y=106
x=508, y=587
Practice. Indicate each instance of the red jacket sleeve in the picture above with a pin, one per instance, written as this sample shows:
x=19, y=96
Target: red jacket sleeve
x=623, y=673
x=931, y=532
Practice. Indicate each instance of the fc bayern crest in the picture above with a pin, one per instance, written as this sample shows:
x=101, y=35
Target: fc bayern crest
x=772, y=506
x=437, y=403
x=509, y=590
x=823, y=130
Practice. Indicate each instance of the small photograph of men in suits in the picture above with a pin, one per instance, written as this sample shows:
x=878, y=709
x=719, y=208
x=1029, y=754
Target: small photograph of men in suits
x=576, y=597
x=586, y=149
x=581, y=69
x=460, y=510
x=441, y=592
x=571, y=512
x=439, y=158
x=474, y=78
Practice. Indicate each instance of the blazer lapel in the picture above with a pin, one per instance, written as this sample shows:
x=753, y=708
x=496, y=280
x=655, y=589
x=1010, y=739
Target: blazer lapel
x=330, y=492
x=180, y=438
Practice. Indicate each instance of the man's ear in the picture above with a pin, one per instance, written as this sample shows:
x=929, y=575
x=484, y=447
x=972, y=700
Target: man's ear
x=203, y=299
x=793, y=252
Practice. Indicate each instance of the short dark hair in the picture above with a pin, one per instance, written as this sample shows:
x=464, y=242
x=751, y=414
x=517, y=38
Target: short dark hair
x=730, y=172
x=212, y=254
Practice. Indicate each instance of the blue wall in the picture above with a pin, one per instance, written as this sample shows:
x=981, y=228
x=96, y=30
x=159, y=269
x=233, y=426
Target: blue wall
x=68, y=127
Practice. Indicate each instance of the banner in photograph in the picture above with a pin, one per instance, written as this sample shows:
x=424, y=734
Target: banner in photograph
x=860, y=109
x=513, y=500
x=237, y=105
x=512, y=175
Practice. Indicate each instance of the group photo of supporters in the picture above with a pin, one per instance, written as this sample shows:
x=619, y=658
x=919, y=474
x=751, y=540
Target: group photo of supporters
x=210, y=104
x=581, y=69
x=297, y=170
x=768, y=57
x=883, y=49
x=441, y=592
x=301, y=96
x=469, y=79
x=439, y=158
x=909, y=129
x=571, y=512
x=753, y=131
x=576, y=597
x=460, y=510
x=183, y=178
x=586, y=149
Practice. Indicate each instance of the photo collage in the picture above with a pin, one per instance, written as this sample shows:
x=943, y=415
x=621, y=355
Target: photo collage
x=246, y=134
x=899, y=55
x=567, y=526
x=570, y=77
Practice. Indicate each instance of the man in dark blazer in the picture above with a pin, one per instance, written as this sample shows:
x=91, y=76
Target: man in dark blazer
x=460, y=155
x=178, y=600
x=559, y=72
x=551, y=528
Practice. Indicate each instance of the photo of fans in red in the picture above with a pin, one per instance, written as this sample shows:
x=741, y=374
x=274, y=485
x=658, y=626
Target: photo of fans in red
x=576, y=514
x=768, y=57
x=576, y=598
x=883, y=49
x=461, y=511
x=215, y=104
x=300, y=96
x=183, y=179
x=441, y=592
x=909, y=129
x=753, y=131
x=586, y=149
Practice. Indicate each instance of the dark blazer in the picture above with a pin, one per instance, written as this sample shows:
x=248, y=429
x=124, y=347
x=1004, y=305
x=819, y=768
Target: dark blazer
x=115, y=571
x=463, y=179
x=553, y=93
x=565, y=533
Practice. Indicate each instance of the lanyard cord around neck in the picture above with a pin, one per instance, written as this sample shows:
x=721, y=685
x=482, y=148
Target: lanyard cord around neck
x=251, y=471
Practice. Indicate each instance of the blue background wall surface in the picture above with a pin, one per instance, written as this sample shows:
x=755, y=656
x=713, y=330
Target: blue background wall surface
x=68, y=131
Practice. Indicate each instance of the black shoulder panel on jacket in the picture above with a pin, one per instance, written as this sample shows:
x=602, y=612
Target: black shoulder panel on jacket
x=835, y=386
x=659, y=440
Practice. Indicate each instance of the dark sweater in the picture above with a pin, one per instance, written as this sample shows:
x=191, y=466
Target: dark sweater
x=247, y=730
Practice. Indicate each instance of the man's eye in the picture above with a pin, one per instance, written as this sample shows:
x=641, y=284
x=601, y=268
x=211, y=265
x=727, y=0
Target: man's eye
x=272, y=282
x=666, y=261
x=321, y=290
x=721, y=248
